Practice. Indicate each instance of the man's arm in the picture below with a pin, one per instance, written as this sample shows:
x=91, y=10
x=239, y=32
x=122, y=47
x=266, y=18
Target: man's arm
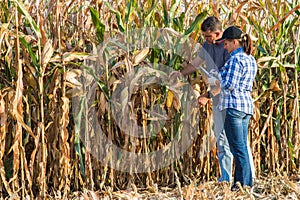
x=191, y=67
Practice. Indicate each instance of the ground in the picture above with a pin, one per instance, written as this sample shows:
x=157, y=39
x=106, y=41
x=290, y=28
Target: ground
x=266, y=187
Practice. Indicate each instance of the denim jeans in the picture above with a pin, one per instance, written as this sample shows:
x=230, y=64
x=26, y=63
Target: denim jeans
x=224, y=155
x=236, y=128
x=251, y=160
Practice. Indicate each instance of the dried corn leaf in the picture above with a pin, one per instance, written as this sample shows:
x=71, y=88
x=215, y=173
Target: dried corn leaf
x=124, y=99
x=139, y=56
x=278, y=24
x=70, y=76
x=236, y=13
x=3, y=31
x=67, y=57
x=176, y=103
x=274, y=86
x=47, y=52
x=2, y=112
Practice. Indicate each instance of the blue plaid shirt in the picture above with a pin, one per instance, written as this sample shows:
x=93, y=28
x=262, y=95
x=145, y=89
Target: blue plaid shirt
x=237, y=77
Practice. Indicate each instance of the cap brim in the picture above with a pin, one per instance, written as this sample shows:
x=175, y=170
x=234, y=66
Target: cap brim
x=220, y=40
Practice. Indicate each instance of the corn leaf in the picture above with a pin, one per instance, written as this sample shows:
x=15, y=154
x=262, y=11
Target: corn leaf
x=128, y=11
x=78, y=120
x=174, y=8
x=284, y=18
x=178, y=22
x=149, y=15
x=31, y=53
x=99, y=82
x=24, y=12
x=297, y=59
x=165, y=14
x=118, y=15
x=70, y=56
x=100, y=28
x=5, y=10
x=196, y=23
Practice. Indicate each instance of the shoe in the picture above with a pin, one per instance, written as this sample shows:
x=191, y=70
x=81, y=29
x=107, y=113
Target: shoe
x=235, y=188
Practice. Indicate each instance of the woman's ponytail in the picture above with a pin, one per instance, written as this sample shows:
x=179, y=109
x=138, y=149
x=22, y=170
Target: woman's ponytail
x=246, y=43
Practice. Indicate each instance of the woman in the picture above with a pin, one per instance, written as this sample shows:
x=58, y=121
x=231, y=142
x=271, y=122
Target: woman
x=237, y=77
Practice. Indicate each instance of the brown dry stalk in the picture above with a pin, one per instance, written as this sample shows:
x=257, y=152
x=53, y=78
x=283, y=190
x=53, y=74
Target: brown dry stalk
x=3, y=132
x=44, y=47
x=18, y=108
x=65, y=164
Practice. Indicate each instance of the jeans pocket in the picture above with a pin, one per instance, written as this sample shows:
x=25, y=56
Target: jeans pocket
x=235, y=113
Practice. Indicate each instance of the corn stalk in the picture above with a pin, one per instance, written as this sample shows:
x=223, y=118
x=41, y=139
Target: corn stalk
x=47, y=47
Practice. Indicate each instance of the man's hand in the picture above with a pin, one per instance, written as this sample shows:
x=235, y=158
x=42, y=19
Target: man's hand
x=214, y=73
x=212, y=81
x=203, y=99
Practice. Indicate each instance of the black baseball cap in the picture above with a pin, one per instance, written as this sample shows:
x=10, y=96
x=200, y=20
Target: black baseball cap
x=232, y=32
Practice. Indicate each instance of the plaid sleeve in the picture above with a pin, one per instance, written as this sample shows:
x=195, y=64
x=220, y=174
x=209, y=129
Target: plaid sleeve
x=230, y=74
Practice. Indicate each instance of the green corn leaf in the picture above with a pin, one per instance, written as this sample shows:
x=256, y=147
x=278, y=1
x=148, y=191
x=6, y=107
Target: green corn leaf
x=290, y=144
x=173, y=60
x=77, y=132
x=24, y=12
x=282, y=68
x=297, y=58
x=174, y=8
x=120, y=45
x=91, y=72
x=99, y=82
x=196, y=23
x=292, y=24
x=166, y=15
x=5, y=10
x=261, y=49
x=31, y=53
x=100, y=28
x=128, y=11
x=154, y=58
x=178, y=22
x=147, y=18
x=118, y=15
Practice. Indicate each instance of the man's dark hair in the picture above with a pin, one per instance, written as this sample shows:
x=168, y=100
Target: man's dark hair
x=211, y=24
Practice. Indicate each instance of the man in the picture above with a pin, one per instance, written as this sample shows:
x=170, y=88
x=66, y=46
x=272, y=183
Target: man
x=214, y=56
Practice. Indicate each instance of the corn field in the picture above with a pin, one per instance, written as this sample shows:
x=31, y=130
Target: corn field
x=54, y=52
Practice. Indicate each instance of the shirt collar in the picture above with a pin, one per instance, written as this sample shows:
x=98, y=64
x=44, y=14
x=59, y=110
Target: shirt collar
x=215, y=44
x=238, y=50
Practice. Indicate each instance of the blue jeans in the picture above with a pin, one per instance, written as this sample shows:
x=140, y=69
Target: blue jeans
x=236, y=128
x=224, y=155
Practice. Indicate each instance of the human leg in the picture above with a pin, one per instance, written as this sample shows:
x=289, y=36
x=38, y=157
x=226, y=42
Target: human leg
x=235, y=121
x=224, y=155
x=246, y=131
x=251, y=160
